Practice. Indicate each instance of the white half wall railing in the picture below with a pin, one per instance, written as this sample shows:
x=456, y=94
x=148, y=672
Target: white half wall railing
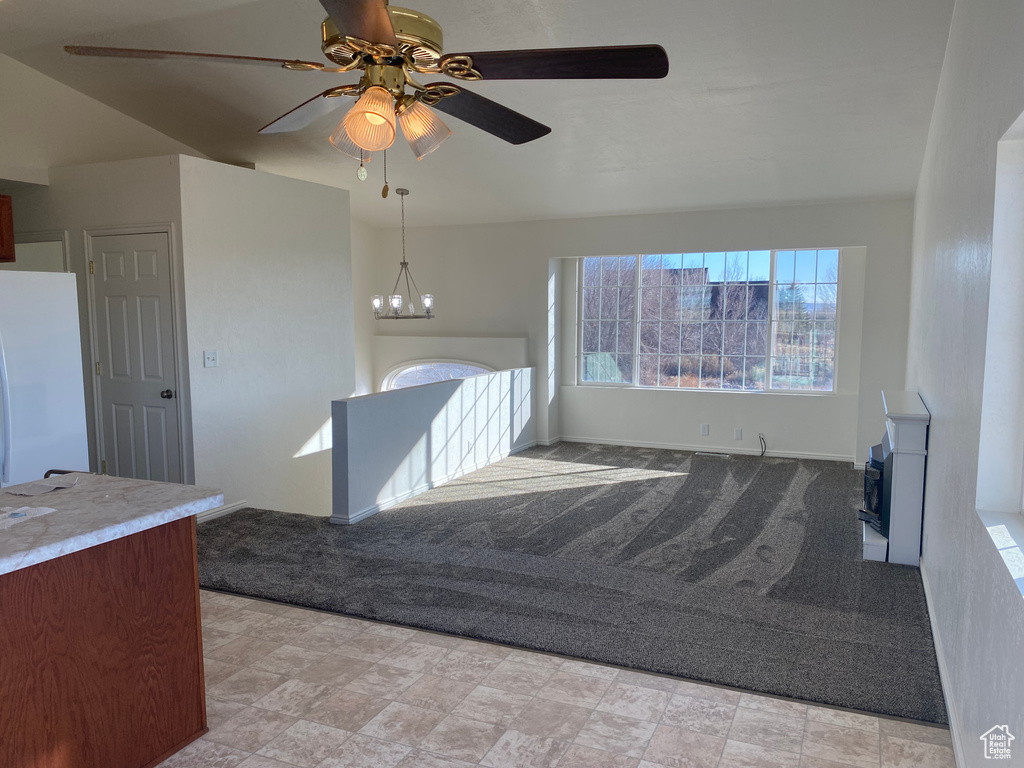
x=391, y=446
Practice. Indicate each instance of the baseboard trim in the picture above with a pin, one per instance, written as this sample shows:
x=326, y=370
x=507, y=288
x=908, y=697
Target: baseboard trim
x=227, y=509
x=955, y=726
x=717, y=448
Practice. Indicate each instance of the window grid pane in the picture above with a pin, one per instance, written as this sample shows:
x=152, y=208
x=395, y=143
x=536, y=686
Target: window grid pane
x=609, y=295
x=804, y=320
x=702, y=316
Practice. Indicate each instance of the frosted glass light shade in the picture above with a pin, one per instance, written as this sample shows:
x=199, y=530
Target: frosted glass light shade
x=371, y=122
x=427, y=299
x=341, y=142
x=378, y=304
x=396, y=304
x=423, y=129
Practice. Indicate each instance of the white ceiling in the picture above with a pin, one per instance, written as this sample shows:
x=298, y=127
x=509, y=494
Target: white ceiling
x=767, y=101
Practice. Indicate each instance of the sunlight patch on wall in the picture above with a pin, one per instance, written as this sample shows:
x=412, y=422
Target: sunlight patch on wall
x=412, y=473
x=322, y=440
x=1009, y=547
x=552, y=336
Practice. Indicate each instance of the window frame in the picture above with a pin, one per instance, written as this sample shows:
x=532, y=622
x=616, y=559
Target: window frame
x=769, y=354
x=395, y=370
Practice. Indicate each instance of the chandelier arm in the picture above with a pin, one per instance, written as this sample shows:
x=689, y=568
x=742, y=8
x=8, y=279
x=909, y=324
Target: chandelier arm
x=408, y=273
x=397, y=281
x=412, y=307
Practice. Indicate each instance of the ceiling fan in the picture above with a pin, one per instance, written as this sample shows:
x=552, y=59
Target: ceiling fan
x=391, y=46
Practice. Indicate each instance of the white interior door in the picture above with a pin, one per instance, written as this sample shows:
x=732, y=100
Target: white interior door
x=137, y=375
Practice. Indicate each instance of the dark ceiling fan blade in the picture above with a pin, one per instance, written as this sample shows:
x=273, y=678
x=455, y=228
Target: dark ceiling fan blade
x=609, y=62
x=489, y=116
x=308, y=111
x=367, y=20
x=142, y=53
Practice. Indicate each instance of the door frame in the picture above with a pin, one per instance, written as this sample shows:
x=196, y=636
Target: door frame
x=179, y=334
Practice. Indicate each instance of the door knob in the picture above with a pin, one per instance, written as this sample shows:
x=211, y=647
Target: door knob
x=167, y=394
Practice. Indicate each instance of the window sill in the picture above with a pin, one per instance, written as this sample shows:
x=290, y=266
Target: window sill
x=1007, y=532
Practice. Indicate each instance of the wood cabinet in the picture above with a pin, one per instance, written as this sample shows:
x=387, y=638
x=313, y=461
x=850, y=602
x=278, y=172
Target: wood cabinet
x=6, y=229
x=101, y=663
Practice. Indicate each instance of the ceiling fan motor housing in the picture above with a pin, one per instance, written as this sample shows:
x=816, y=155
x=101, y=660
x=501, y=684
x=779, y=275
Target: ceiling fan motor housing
x=420, y=36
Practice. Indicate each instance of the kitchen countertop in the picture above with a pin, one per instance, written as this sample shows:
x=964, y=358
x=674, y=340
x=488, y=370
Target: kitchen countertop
x=98, y=509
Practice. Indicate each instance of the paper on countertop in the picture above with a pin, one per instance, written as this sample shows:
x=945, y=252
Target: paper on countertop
x=39, y=487
x=23, y=513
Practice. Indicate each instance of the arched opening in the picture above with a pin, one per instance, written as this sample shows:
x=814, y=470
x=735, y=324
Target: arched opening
x=419, y=372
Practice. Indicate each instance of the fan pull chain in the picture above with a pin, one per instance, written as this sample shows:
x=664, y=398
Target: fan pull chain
x=384, y=192
x=361, y=173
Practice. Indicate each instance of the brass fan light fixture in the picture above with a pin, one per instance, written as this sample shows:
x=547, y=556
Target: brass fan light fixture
x=391, y=46
x=391, y=306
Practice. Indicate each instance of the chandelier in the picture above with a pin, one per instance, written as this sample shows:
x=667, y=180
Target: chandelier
x=391, y=307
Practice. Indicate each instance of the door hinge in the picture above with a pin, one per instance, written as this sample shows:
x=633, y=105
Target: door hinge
x=103, y=467
x=92, y=267
x=99, y=369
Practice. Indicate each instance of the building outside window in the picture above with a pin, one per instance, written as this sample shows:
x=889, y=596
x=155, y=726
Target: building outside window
x=746, y=320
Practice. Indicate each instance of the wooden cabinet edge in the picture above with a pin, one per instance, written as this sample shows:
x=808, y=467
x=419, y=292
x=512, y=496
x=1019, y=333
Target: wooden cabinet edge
x=6, y=229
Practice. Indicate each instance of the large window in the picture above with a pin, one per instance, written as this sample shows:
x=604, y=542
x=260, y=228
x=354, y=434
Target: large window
x=746, y=320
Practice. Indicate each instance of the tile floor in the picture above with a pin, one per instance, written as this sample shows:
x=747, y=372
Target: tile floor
x=291, y=688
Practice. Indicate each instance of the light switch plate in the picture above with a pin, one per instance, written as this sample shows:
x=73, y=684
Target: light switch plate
x=737, y=434
x=705, y=430
x=210, y=358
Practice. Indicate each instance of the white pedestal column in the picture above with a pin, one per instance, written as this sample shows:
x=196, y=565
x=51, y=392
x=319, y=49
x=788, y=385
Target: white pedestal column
x=906, y=422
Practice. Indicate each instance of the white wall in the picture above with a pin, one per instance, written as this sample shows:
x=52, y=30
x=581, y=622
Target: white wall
x=1001, y=450
x=976, y=609
x=268, y=285
x=365, y=251
x=813, y=426
x=266, y=281
x=389, y=352
x=44, y=124
x=496, y=280
x=394, y=445
x=127, y=193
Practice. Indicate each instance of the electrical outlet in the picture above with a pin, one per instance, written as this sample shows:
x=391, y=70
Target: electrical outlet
x=705, y=430
x=737, y=434
x=210, y=358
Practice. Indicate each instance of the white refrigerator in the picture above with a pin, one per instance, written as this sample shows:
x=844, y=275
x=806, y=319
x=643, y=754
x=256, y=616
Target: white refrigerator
x=42, y=395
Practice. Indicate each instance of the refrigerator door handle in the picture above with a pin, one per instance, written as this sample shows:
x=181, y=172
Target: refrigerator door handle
x=5, y=418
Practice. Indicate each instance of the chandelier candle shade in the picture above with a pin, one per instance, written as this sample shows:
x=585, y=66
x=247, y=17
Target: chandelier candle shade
x=390, y=307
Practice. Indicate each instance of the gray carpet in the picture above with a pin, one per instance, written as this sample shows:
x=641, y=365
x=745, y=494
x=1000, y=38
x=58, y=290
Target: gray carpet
x=741, y=571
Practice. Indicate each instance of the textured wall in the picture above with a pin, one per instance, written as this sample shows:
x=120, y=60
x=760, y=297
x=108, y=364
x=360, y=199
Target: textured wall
x=977, y=610
x=268, y=284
